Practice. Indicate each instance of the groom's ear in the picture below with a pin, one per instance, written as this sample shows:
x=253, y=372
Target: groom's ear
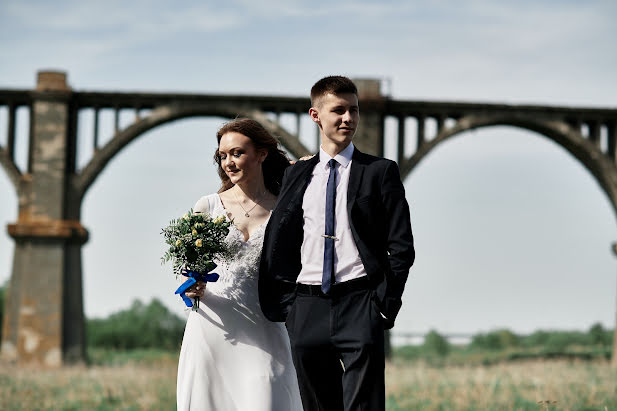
x=314, y=115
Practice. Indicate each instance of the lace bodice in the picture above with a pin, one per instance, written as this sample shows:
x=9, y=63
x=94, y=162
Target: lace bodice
x=238, y=276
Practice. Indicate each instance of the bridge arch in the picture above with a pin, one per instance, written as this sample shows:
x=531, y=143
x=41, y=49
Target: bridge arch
x=587, y=153
x=12, y=172
x=167, y=114
x=140, y=190
x=541, y=230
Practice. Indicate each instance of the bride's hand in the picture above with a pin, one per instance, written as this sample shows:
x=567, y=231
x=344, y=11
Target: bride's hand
x=292, y=162
x=196, y=290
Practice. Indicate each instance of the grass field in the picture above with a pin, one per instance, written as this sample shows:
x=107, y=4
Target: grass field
x=145, y=380
x=139, y=380
x=527, y=385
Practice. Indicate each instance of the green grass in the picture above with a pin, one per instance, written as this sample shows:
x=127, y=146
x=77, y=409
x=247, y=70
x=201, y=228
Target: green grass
x=146, y=380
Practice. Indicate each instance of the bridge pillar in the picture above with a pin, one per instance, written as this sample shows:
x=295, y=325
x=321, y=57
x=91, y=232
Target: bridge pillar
x=369, y=135
x=44, y=321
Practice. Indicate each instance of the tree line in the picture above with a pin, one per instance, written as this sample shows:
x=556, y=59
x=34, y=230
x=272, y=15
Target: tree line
x=152, y=325
x=141, y=325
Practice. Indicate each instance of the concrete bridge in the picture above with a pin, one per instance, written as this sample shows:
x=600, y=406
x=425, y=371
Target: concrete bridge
x=49, y=329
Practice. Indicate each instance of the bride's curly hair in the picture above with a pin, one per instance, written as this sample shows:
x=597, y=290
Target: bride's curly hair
x=273, y=166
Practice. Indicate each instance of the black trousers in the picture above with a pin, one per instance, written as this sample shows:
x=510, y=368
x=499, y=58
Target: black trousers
x=337, y=344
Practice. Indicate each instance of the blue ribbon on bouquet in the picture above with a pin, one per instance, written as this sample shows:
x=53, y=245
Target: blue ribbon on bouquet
x=193, y=277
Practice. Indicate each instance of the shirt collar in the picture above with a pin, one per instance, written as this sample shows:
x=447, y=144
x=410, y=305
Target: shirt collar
x=343, y=158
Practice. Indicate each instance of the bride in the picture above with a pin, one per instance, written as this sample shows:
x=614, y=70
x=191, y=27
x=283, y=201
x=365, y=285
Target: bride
x=232, y=357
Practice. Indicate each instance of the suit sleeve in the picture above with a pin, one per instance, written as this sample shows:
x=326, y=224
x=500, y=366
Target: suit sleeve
x=401, y=253
x=275, y=292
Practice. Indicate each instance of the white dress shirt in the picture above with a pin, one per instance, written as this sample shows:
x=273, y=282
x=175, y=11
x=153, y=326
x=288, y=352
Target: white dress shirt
x=347, y=262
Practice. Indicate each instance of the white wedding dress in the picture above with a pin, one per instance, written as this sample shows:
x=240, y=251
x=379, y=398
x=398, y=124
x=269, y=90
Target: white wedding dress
x=232, y=357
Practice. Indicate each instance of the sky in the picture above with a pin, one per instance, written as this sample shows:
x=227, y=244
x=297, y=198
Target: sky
x=511, y=231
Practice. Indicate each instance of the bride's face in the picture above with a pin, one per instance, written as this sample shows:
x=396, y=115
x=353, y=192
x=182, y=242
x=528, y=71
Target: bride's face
x=240, y=160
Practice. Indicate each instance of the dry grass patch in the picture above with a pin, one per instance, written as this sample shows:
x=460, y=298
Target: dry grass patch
x=521, y=386
x=122, y=387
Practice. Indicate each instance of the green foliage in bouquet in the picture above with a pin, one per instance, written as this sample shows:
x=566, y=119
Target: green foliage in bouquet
x=195, y=240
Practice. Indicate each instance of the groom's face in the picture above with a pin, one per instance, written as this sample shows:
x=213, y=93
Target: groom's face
x=337, y=116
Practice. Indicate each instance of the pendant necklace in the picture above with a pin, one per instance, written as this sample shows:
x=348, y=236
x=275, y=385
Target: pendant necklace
x=246, y=212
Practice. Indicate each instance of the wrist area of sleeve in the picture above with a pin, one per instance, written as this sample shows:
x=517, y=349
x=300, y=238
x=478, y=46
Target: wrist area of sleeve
x=389, y=309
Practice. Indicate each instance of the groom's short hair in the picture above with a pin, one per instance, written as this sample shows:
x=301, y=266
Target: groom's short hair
x=331, y=85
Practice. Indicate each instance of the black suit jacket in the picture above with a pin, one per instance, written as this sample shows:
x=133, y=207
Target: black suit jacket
x=380, y=224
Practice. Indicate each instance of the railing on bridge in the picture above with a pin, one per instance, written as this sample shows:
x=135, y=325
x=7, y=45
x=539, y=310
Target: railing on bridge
x=420, y=121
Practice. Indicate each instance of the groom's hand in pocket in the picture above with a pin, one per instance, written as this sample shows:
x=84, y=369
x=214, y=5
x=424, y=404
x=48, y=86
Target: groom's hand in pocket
x=196, y=290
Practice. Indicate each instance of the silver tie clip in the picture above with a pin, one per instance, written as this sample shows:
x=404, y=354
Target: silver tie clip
x=331, y=237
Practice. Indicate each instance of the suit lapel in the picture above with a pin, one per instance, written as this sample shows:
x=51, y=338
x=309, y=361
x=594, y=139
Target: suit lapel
x=355, y=178
x=301, y=180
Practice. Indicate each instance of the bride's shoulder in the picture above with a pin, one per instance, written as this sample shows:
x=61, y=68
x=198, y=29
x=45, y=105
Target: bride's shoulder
x=206, y=204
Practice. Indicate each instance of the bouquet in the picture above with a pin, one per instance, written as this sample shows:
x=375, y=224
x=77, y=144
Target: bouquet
x=195, y=240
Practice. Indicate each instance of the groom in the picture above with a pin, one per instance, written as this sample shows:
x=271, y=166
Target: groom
x=336, y=255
